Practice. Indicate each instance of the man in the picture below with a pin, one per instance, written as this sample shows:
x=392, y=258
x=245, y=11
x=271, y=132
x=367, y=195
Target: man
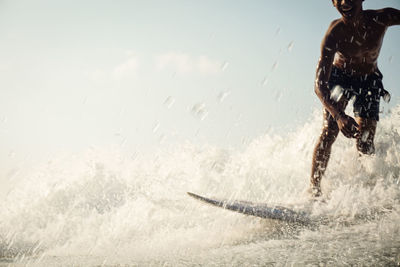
x=347, y=69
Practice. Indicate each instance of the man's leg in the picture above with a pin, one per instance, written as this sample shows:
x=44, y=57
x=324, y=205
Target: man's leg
x=365, y=141
x=322, y=152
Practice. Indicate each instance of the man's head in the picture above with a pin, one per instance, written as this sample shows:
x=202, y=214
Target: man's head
x=349, y=9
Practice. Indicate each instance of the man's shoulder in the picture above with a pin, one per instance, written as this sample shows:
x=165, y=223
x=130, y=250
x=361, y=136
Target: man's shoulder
x=385, y=17
x=335, y=23
x=332, y=34
x=372, y=14
x=335, y=27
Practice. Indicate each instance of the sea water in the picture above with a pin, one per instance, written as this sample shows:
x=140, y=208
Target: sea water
x=108, y=208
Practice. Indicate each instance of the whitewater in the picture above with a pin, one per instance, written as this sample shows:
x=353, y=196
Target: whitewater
x=108, y=208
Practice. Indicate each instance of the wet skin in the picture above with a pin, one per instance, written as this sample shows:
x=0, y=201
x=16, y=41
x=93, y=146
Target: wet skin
x=351, y=43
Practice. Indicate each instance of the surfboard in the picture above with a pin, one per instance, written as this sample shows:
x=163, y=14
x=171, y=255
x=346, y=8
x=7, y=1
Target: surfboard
x=257, y=209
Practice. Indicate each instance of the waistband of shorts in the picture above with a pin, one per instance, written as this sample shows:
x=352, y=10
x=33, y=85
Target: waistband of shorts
x=377, y=74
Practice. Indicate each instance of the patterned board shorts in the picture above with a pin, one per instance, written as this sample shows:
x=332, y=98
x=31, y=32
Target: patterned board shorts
x=366, y=91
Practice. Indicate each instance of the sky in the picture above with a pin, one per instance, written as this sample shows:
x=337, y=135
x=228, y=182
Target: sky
x=139, y=75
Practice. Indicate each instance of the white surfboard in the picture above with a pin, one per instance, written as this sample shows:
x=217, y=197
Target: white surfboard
x=257, y=209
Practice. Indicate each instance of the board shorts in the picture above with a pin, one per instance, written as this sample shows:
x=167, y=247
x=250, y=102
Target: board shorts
x=366, y=91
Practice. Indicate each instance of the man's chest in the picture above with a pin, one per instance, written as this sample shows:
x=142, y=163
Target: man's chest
x=364, y=42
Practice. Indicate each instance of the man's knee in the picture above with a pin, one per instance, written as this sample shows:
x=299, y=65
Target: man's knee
x=365, y=147
x=365, y=142
x=329, y=135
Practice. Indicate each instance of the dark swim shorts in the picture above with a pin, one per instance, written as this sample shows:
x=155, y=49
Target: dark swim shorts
x=366, y=91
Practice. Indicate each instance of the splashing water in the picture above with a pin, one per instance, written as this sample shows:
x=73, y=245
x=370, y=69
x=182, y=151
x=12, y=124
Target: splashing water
x=103, y=208
x=222, y=96
x=290, y=46
x=337, y=93
x=169, y=102
x=224, y=66
x=200, y=111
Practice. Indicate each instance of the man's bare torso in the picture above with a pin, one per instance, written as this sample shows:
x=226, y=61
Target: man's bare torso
x=352, y=43
x=358, y=46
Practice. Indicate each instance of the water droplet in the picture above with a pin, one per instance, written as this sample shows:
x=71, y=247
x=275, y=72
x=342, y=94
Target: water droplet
x=290, y=46
x=387, y=97
x=390, y=59
x=274, y=66
x=245, y=141
x=238, y=119
x=224, y=65
x=223, y=95
x=11, y=154
x=265, y=81
x=277, y=31
x=162, y=138
x=228, y=134
x=199, y=110
x=156, y=127
x=123, y=142
x=278, y=96
x=365, y=136
x=169, y=102
x=337, y=93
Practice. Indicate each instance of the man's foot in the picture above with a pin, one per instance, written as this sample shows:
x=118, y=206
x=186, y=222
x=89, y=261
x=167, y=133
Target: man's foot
x=315, y=191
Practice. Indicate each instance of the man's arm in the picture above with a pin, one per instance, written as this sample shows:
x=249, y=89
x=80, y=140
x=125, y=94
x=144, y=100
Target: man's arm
x=346, y=124
x=324, y=67
x=389, y=16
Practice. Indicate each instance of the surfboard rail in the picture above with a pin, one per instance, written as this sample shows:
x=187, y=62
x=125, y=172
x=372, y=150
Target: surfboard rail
x=256, y=209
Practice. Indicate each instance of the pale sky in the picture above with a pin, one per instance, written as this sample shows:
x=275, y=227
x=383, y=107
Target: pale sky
x=140, y=74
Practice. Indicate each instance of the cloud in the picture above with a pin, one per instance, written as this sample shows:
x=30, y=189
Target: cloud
x=209, y=66
x=126, y=69
x=177, y=61
x=184, y=64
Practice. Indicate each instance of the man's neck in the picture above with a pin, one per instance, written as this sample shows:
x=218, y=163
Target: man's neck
x=356, y=21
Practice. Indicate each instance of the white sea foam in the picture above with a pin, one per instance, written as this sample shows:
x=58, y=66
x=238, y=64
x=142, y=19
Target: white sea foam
x=107, y=208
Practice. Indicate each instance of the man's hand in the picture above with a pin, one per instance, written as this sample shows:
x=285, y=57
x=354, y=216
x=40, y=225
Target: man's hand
x=348, y=126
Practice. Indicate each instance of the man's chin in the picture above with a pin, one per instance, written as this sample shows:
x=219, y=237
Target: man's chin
x=347, y=14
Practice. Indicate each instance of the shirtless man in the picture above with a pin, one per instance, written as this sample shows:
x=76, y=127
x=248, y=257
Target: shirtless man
x=348, y=68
